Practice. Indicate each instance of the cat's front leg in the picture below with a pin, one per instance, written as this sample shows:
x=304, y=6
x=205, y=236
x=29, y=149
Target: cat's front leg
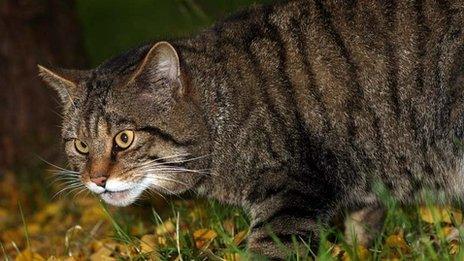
x=363, y=225
x=280, y=233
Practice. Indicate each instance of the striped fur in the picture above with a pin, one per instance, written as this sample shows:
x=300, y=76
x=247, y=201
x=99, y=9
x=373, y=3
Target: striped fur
x=305, y=105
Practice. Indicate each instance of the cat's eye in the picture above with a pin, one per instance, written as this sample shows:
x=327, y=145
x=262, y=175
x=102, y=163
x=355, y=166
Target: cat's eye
x=124, y=139
x=81, y=146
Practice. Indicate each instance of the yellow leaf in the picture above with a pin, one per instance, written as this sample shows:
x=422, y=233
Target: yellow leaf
x=397, y=242
x=61, y=258
x=50, y=210
x=337, y=251
x=197, y=213
x=162, y=241
x=229, y=226
x=438, y=214
x=447, y=231
x=361, y=254
x=203, y=237
x=238, y=239
x=96, y=245
x=12, y=235
x=232, y=257
x=148, y=243
x=93, y=215
x=138, y=230
x=148, y=246
x=166, y=228
x=28, y=255
x=453, y=247
x=103, y=254
x=33, y=229
x=3, y=214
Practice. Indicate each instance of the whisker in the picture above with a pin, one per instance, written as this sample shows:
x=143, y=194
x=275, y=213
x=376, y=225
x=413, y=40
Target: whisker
x=154, y=193
x=51, y=164
x=79, y=192
x=69, y=182
x=157, y=163
x=167, y=179
x=73, y=190
x=61, y=181
x=66, y=188
x=168, y=169
x=184, y=160
x=59, y=171
x=60, y=178
x=157, y=160
x=64, y=179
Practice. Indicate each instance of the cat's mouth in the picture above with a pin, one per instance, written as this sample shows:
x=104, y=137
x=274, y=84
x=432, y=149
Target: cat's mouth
x=117, y=193
x=116, y=197
x=121, y=198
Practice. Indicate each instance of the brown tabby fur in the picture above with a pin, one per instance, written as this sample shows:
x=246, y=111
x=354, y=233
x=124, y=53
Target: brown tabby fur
x=301, y=107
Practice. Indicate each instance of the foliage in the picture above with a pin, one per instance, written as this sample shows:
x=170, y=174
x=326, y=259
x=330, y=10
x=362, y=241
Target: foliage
x=35, y=227
x=82, y=228
x=112, y=26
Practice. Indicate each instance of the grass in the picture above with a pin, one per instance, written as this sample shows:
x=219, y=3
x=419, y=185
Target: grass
x=84, y=228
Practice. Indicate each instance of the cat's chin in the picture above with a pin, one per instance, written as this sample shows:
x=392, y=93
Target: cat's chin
x=121, y=198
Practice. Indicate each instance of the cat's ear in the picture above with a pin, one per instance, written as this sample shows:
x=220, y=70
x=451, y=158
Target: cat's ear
x=64, y=82
x=161, y=64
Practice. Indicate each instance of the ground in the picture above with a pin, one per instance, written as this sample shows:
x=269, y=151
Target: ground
x=36, y=226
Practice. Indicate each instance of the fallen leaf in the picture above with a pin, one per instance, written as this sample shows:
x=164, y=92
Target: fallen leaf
x=240, y=237
x=166, y=228
x=397, y=242
x=106, y=252
x=453, y=247
x=103, y=254
x=197, y=213
x=96, y=245
x=438, y=214
x=3, y=215
x=229, y=226
x=28, y=255
x=361, y=254
x=93, y=215
x=12, y=235
x=232, y=257
x=33, y=229
x=50, y=210
x=61, y=258
x=337, y=251
x=148, y=243
x=203, y=237
x=448, y=232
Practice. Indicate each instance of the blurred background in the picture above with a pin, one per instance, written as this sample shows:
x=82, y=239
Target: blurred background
x=41, y=221
x=75, y=34
x=70, y=34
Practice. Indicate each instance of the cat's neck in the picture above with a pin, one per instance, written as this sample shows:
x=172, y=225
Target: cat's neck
x=208, y=80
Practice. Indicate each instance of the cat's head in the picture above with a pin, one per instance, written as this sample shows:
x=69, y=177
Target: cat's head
x=132, y=125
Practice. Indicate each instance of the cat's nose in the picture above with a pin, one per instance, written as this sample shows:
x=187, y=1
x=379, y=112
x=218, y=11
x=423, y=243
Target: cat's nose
x=99, y=181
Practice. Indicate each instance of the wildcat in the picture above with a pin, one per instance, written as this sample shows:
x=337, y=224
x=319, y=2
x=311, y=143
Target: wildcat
x=293, y=110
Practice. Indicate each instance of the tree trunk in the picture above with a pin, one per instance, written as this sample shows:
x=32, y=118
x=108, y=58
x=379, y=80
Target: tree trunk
x=32, y=32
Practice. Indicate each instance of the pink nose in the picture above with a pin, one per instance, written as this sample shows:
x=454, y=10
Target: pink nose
x=99, y=181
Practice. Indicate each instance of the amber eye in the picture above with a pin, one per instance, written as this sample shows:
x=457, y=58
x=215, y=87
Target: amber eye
x=124, y=139
x=81, y=147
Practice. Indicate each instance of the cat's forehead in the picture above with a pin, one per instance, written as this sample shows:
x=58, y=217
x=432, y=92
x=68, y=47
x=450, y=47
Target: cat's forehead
x=115, y=71
x=96, y=118
x=122, y=65
x=110, y=97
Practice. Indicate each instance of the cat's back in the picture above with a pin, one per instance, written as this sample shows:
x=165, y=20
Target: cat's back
x=341, y=65
x=370, y=79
